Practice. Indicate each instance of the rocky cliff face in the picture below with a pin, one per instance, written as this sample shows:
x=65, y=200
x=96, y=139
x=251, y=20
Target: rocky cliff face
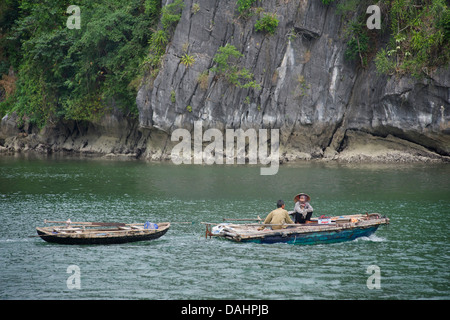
x=323, y=105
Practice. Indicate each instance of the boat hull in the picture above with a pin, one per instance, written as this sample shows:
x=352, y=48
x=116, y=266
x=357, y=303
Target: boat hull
x=103, y=237
x=337, y=229
x=316, y=238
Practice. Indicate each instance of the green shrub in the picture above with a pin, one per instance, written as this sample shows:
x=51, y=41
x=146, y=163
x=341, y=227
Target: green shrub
x=244, y=5
x=223, y=56
x=444, y=24
x=187, y=60
x=383, y=63
x=267, y=23
x=420, y=40
x=240, y=77
x=158, y=41
x=358, y=43
x=171, y=14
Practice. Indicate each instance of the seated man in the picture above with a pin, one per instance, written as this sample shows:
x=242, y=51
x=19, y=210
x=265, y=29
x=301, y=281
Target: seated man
x=278, y=216
x=302, y=210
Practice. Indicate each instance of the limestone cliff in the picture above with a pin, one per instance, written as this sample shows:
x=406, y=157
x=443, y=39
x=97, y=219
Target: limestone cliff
x=322, y=103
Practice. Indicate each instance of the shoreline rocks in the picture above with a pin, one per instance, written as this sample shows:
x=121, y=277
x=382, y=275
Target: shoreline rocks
x=116, y=137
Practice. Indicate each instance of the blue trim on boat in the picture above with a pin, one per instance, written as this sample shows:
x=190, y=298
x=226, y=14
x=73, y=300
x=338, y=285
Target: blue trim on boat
x=316, y=237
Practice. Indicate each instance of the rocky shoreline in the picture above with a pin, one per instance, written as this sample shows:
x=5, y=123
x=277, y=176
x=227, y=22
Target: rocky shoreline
x=115, y=136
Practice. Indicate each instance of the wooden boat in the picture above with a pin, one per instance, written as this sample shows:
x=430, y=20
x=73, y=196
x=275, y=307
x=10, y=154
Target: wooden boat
x=330, y=230
x=67, y=232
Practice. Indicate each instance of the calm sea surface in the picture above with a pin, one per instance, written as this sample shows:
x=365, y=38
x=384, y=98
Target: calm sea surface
x=412, y=253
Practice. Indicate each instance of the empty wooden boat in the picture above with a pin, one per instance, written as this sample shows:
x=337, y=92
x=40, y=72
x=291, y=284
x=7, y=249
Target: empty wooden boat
x=67, y=232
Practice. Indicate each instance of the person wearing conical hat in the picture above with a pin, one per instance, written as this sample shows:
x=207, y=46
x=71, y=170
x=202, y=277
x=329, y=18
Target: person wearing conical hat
x=302, y=209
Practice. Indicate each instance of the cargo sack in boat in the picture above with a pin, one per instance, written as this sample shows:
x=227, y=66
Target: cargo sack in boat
x=149, y=225
x=324, y=220
x=218, y=229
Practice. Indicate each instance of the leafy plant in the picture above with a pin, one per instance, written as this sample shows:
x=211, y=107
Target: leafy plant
x=187, y=60
x=158, y=41
x=444, y=24
x=195, y=8
x=223, y=56
x=171, y=14
x=358, y=44
x=383, y=63
x=244, y=5
x=240, y=77
x=420, y=39
x=267, y=23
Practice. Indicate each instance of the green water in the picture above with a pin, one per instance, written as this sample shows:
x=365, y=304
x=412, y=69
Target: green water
x=412, y=253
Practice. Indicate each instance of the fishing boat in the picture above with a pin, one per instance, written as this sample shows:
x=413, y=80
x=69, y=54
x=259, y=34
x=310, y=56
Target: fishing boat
x=318, y=230
x=67, y=232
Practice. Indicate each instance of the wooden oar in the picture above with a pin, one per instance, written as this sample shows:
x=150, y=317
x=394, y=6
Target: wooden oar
x=112, y=224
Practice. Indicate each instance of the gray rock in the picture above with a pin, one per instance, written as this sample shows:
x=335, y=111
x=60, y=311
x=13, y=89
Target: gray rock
x=308, y=90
